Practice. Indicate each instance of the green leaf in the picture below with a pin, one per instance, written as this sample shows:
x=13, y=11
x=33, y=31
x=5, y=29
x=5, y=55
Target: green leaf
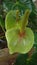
x=24, y=19
x=21, y=59
x=17, y=44
x=33, y=60
x=10, y=20
x=7, y=4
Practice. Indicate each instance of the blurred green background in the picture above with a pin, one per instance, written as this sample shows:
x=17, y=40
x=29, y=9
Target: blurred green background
x=22, y=5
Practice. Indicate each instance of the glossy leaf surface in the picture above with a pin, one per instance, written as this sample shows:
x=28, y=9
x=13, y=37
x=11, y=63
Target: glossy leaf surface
x=10, y=20
x=17, y=44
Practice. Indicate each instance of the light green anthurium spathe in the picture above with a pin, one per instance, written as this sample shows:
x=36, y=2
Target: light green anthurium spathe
x=20, y=38
x=10, y=20
x=25, y=18
x=17, y=43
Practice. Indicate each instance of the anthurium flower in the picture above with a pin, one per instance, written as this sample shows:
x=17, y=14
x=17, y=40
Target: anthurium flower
x=20, y=38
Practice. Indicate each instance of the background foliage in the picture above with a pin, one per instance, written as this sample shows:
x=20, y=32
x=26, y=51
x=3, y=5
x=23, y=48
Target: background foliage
x=22, y=5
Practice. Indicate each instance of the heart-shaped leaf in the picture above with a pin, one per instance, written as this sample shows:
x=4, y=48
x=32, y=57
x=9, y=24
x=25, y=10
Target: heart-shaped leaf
x=17, y=43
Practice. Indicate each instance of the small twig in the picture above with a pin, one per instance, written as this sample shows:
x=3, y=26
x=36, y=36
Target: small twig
x=3, y=29
x=2, y=37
